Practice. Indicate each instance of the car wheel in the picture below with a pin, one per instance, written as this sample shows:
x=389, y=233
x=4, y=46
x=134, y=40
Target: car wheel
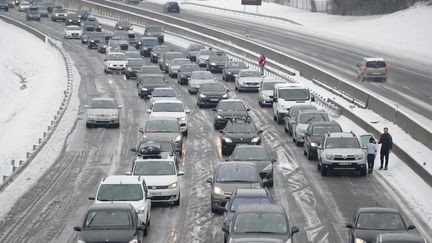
x=88, y=125
x=363, y=172
x=318, y=165
x=323, y=171
x=298, y=144
x=279, y=118
x=145, y=231
x=213, y=209
x=270, y=184
x=185, y=133
x=177, y=202
x=274, y=118
x=308, y=155
x=286, y=130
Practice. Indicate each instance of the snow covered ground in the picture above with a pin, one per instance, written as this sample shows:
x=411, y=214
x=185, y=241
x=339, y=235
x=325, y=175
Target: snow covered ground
x=33, y=77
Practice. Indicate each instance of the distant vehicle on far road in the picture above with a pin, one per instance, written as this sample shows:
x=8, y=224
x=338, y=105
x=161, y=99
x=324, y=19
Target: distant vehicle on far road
x=372, y=68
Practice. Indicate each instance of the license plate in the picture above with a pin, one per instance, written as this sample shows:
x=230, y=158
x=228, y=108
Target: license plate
x=345, y=163
x=156, y=193
x=214, y=99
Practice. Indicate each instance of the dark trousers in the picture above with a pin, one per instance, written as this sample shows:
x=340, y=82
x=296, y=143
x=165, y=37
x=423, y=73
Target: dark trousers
x=371, y=160
x=384, y=155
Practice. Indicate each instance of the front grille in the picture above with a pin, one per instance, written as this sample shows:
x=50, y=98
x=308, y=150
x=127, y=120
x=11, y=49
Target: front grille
x=344, y=158
x=252, y=84
x=157, y=187
x=161, y=198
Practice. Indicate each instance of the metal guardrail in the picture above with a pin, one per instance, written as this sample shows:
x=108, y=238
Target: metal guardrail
x=62, y=108
x=242, y=45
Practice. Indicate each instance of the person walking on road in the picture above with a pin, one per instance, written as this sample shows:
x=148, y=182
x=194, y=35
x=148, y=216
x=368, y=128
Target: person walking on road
x=371, y=152
x=261, y=63
x=386, y=142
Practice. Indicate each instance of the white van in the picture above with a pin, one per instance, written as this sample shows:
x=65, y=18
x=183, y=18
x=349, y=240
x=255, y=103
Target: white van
x=286, y=95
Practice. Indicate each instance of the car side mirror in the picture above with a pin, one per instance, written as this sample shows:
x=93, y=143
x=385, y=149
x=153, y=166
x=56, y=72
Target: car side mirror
x=77, y=228
x=247, y=109
x=209, y=180
x=349, y=226
x=133, y=150
x=225, y=228
x=294, y=230
x=313, y=98
x=180, y=173
x=148, y=111
x=92, y=198
x=260, y=131
x=187, y=111
x=221, y=210
x=411, y=227
x=141, y=130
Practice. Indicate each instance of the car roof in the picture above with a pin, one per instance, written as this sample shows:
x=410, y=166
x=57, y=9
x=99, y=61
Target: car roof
x=290, y=86
x=324, y=123
x=236, y=163
x=167, y=101
x=110, y=206
x=164, y=88
x=247, y=192
x=341, y=134
x=377, y=210
x=122, y=179
x=267, y=208
x=400, y=237
x=371, y=59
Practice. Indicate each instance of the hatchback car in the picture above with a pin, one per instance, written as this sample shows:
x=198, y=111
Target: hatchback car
x=216, y=62
x=203, y=56
x=372, y=68
x=266, y=91
x=199, y=77
x=239, y=132
x=368, y=222
x=33, y=14
x=164, y=127
x=146, y=44
x=291, y=117
x=103, y=111
x=210, y=94
x=165, y=60
x=58, y=14
x=258, y=155
x=193, y=50
x=92, y=24
x=115, y=62
x=149, y=69
x=111, y=222
x=314, y=136
x=303, y=119
x=185, y=72
x=166, y=93
x=248, y=80
x=43, y=9
x=123, y=25
x=229, y=177
x=134, y=65
x=148, y=82
x=171, y=7
x=232, y=69
x=154, y=31
x=171, y=108
x=73, y=32
x=158, y=51
x=230, y=109
x=175, y=65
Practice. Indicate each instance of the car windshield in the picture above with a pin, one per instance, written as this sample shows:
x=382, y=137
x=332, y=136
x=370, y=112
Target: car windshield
x=164, y=93
x=136, y=62
x=250, y=154
x=202, y=75
x=149, y=42
x=120, y=192
x=153, y=30
x=296, y=109
x=172, y=55
x=380, y=221
x=272, y=223
x=150, y=69
x=165, y=145
x=168, y=107
x=33, y=10
x=180, y=61
x=237, y=173
x=306, y=118
x=269, y=85
x=294, y=94
x=131, y=35
x=195, y=47
x=189, y=68
x=108, y=219
x=231, y=106
x=219, y=58
x=154, y=80
x=249, y=73
x=162, y=126
x=237, y=201
x=322, y=130
x=340, y=142
x=103, y=104
x=132, y=54
x=117, y=57
x=236, y=65
x=42, y=7
x=154, y=168
x=206, y=52
x=213, y=87
x=375, y=64
x=240, y=127
x=161, y=49
x=73, y=16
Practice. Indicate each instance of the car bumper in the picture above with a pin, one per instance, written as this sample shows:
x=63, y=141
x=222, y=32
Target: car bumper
x=343, y=165
x=193, y=90
x=73, y=36
x=164, y=195
x=253, y=87
x=102, y=121
x=215, y=68
x=209, y=101
x=219, y=123
x=266, y=101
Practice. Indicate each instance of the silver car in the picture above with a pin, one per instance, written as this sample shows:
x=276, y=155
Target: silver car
x=372, y=68
x=266, y=91
x=248, y=80
x=103, y=111
x=199, y=77
x=176, y=63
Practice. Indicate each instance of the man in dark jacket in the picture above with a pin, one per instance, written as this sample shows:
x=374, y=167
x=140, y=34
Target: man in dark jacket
x=386, y=142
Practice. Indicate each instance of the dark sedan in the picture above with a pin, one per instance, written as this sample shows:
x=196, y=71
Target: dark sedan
x=216, y=62
x=157, y=51
x=148, y=82
x=193, y=50
x=134, y=65
x=171, y=7
x=314, y=136
x=209, y=94
x=185, y=71
x=239, y=132
x=73, y=19
x=368, y=222
x=232, y=69
x=227, y=110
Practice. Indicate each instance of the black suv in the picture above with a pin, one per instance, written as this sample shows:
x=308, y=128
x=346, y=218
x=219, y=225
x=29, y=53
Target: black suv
x=111, y=222
x=4, y=5
x=92, y=24
x=33, y=14
x=185, y=72
x=154, y=31
x=148, y=82
x=232, y=69
x=314, y=136
x=123, y=25
x=239, y=132
x=227, y=110
x=73, y=19
x=157, y=51
x=171, y=7
x=216, y=62
x=209, y=94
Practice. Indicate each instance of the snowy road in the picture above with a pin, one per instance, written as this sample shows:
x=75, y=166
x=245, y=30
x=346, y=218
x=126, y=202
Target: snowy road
x=319, y=206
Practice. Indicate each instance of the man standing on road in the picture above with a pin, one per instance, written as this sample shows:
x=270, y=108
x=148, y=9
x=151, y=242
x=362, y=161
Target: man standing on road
x=386, y=142
x=261, y=63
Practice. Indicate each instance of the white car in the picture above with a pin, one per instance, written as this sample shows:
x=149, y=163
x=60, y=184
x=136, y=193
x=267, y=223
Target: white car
x=103, y=111
x=199, y=77
x=203, y=56
x=266, y=90
x=286, y=95
x=175, y=65
x=161, y=177
x=167, y=93
x=248, y=80
x=126, y=189
x=24, y=6
x=302, y=121
x=171, y=108
x=115, y=61
x=73, y=32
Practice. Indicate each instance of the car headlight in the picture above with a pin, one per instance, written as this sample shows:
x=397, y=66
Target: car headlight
x=268, y=167
x=255, y=139
x=314, y=145
x=218, y=190
x=182, y=119
x=229, y=73
x=120, y=27
x=213, y=64
x=134, y=241
x=330, y=156
x=227, y=140
x=100, y=26
x=79, y=20
x=140, y=210
x=219, y=117
x=225, y=96
x=129, y=69
x=114, y=115
x=92, y=41
x=90, y=114
x=70, y=20
x=144, y=89
x=202, y=95
x=173, y=185
x=80, y=241
x=358, y=240
x=359, y=156
x=241, y=82
x=145, y=48
x=177, y=139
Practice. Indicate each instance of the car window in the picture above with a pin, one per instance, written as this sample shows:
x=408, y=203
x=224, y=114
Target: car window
x=219, y=58
x=295, y=110
x=135, y=62
x=202, y=75
x=237, y=201
x=180, y=62
x=108, y=218
x=154, y=80
x=189, y=68
x=306, y=118
x=216, y=87
x=170, y=56
x=375, y=64
x=164, y=93
x=120, y=192
x=240, y=127
x=150, y=69
x=322, y=130
x=72, y=27
x=236, y=173
x=149, y=42
x=131, y=35
x=117, y=57
x=249, y=73
x=152, y=168
x=269, y=85
x=250, y=154
x=162, y=126
x=294, y=94
x=260, y=222
x=103, y=104
x=231, y=106
x=380, y=221
x=153, y=30
x=168, y=107
x=206, y=52
x=164, y=146
x=340, y=142
x=236, y=65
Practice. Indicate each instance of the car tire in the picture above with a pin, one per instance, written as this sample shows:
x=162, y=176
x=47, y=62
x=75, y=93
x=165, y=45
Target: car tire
x=185, y=133
x=298, y=144
x=224, y=151
x=318, y=165
x=308, y=155
x=213, y=210
x=279, y=118
x=286, y=130
x=270, y=184
x=145, y=231
x=323, y=171
x=88, y=125
x=363, y=172
x=177, y=202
